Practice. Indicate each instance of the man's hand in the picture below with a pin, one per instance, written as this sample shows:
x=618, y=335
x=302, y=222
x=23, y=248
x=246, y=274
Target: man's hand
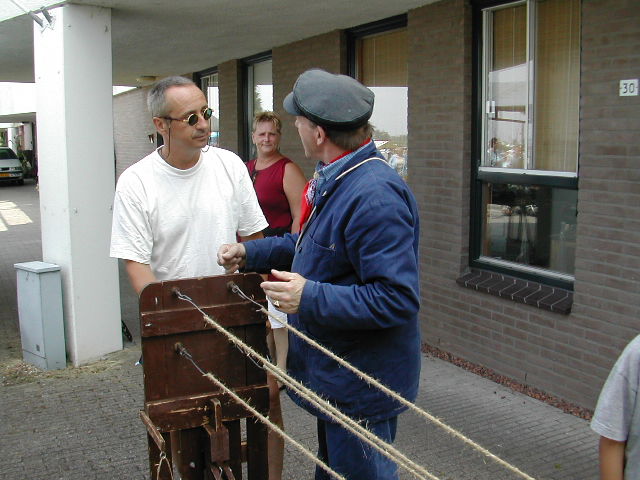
x=232, y=257
x=285, y=294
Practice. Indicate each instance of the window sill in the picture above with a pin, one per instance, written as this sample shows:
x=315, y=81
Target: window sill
x=536, y=294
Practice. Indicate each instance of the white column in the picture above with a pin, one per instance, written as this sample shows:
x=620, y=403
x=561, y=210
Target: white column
x=13, y=142
x=27, y=129
x=76, y=173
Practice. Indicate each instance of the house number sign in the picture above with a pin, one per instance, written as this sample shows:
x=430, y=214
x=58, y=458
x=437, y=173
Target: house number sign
x=629, y=88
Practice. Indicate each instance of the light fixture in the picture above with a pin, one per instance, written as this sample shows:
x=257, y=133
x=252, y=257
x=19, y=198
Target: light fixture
x=50, y=18
x=36, y=18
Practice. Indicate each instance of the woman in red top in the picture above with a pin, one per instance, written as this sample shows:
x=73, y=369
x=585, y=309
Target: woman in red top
x=278, y=183
x=277, y=180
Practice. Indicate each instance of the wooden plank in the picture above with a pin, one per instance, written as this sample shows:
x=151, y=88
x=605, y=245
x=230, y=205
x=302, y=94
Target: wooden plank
x=194, y=411
x=257, y=460
x=204, y=291
x=168, y=374
x=189, y=447
x=188, y=319
x=153, y=431
x=154, y=459
x=235, y=447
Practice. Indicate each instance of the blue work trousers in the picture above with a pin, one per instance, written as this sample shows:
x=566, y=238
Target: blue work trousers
x=348, y=455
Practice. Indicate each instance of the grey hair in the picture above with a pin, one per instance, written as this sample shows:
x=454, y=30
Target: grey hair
x=156, y=99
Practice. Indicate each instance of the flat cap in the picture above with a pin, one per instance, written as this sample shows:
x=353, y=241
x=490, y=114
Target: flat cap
x=330, y=100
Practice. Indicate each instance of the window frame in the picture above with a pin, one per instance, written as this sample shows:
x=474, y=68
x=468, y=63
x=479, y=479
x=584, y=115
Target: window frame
x=247, y=99
x=356, y=33
x=197, y=78
x=481, y=175
x=380, y=27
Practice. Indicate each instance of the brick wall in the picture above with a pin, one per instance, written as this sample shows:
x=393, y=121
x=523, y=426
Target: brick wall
x=131, y=128
x=565, y=355
x=230, y=82
x=607, y=290
x=327, y=51
x=439, y=142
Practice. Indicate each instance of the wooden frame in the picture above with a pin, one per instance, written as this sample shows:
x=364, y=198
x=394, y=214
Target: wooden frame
x=181, y=405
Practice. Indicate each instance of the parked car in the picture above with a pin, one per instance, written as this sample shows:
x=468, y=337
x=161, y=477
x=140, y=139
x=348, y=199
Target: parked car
x=10, y=167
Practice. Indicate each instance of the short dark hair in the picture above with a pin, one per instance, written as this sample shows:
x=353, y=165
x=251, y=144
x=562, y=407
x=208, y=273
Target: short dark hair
x=156, y=98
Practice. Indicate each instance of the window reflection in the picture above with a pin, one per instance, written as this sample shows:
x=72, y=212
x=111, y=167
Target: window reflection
x=259, y=97
x=381, y=65
x=533, y=225
x=532, y=78
x=209, y=85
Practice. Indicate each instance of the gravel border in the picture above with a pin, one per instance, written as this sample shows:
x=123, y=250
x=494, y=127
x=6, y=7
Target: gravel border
x=485, y=372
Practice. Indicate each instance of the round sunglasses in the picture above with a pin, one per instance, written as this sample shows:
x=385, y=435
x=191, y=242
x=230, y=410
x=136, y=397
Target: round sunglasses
x=192, y=118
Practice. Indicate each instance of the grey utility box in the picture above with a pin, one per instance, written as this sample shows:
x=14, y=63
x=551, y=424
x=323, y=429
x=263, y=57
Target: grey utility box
x=40, y=312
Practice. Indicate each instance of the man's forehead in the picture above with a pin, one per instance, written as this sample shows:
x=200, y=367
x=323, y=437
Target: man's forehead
x=185, y=98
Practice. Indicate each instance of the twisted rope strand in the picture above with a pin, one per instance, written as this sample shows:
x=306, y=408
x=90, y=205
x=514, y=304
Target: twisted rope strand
x=275, y=427
x=354, y=427
x=396, y=396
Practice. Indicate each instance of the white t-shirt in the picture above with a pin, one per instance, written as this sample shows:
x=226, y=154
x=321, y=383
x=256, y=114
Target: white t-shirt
x=617, y=414
x=174, y=220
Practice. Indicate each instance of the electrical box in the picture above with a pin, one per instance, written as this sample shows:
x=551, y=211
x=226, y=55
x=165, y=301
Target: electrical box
x=40, y=313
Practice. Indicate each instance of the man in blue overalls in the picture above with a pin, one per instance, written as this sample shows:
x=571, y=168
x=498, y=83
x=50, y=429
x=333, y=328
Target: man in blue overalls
x=349, y=279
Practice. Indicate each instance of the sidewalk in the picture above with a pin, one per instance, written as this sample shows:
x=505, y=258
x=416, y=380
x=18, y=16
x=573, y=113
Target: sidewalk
x=83, y=423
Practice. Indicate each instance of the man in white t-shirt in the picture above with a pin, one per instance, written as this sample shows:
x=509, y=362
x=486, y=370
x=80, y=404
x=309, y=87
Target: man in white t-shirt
x=175, y=207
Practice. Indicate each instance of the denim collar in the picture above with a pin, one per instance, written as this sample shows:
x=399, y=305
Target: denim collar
x=326, y=173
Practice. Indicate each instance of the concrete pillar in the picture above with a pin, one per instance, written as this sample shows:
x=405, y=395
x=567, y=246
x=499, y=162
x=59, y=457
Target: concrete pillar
x=13, y=138
x=27, y=136
x=76, y=173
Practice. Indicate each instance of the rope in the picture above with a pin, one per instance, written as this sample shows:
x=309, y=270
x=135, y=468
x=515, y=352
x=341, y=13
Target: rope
x=265, y=420
x=396, y=396
x=354, y=427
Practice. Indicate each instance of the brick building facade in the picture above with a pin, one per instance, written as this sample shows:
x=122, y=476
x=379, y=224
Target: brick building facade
x=564, y=354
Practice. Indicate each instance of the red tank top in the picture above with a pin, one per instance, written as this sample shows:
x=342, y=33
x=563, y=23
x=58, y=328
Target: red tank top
x=269, y=187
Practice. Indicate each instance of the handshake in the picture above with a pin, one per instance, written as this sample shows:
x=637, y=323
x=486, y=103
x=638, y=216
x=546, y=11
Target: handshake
x=285, y=293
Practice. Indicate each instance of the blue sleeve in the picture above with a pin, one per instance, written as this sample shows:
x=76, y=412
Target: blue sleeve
x=381, y=239
x=271, y=252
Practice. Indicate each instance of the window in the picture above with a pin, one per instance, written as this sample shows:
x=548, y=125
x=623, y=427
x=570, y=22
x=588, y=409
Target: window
x=259, y=95
x=379, y=60
x=211, y=89
x=526, y=147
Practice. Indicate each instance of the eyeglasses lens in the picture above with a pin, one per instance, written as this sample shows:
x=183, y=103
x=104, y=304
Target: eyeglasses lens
x=193, y=118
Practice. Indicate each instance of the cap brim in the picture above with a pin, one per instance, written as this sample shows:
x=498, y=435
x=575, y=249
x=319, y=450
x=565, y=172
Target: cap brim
x=291, y=107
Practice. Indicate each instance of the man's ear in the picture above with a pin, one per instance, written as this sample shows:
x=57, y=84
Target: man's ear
x=161, y=126
x=321, y=135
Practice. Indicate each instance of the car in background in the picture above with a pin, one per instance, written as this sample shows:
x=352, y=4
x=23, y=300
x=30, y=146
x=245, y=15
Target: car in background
x=10, y=167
